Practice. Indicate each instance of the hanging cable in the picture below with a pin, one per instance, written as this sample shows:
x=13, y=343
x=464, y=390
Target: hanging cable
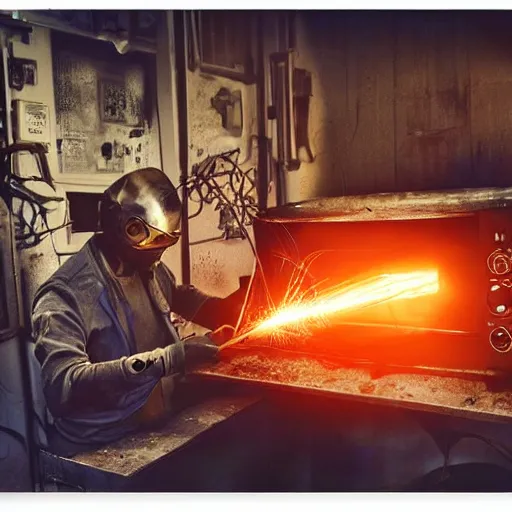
x=234, y=198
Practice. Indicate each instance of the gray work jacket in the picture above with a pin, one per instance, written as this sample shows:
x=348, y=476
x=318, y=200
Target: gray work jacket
x=80, y=318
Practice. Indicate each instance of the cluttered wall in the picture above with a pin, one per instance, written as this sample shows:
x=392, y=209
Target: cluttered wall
x=105, y=106
x=106, y=123
x=405, y=101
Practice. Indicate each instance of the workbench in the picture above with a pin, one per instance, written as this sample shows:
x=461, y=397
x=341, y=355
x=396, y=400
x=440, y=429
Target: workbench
x=180, y=456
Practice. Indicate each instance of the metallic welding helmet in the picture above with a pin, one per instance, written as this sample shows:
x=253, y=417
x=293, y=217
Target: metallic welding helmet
x=140, y=215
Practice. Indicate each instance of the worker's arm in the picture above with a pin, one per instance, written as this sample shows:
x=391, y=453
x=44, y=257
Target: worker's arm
x=195, y=306
x=71, y=382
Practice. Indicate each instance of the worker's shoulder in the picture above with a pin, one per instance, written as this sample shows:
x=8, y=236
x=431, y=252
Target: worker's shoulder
x=74, y=267
x=76, y=274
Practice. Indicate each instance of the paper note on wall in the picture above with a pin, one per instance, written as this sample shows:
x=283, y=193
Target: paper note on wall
x=33, y=122
x=74, y=155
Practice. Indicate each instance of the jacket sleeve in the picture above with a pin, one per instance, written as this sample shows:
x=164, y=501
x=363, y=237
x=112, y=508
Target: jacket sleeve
x=71, y=383
x=207, y=311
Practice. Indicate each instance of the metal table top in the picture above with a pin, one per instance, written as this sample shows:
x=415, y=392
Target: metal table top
x=134, y=453
x=457, y=396
x=115, y=466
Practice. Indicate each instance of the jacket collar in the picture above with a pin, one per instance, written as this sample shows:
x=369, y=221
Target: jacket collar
x=113, y=300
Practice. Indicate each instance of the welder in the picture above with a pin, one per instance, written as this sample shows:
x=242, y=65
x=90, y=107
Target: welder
x=109, y=351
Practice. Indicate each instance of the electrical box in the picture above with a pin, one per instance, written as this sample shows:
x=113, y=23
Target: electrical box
x=32, y=122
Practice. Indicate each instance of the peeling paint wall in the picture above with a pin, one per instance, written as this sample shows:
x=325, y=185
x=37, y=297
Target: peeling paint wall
x=217, y=265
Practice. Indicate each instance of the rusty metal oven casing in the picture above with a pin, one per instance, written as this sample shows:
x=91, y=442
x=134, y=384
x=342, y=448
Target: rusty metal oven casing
x=466, y=235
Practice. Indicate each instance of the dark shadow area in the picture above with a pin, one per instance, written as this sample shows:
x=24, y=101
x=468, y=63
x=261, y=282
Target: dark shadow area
x=471, y=477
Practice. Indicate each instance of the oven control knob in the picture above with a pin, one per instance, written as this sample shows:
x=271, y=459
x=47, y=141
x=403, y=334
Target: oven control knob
x=500, y=339
x=499, y=299
x=499, y=262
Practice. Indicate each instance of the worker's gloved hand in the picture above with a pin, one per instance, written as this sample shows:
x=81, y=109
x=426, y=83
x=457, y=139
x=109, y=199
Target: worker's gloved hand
x=160, y=362
x=222, y=335
x=173, y=359
x=198, y=350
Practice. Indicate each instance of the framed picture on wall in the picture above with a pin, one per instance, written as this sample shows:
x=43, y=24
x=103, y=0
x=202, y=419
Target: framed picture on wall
x=120, y=100
x=113, y=101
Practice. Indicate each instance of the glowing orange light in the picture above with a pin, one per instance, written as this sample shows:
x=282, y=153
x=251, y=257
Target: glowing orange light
x=343, y=298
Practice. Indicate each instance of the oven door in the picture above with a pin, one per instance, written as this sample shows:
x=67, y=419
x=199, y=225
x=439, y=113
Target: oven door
x=446, y=329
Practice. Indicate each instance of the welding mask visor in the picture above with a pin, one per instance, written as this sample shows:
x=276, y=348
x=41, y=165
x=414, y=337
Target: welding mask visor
x=141, y=213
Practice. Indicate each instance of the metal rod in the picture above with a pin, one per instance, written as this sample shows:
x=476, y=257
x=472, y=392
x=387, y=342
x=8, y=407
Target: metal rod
x=393, y=206
x=234, y=341
x=425, y=330
x=206, y=240
x=181, y=82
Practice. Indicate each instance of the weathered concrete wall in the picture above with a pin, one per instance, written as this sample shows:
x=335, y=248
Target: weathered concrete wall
x=405, y=101
x=324, y=175
x=217, y=265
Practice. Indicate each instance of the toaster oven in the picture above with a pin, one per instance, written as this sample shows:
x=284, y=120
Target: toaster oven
x=464, y=236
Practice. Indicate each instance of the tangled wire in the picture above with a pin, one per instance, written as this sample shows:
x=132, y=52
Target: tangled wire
x=29, y=208
x=219, y=181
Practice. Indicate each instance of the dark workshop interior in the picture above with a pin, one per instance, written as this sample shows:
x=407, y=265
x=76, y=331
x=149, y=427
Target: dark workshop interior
x=342, y=187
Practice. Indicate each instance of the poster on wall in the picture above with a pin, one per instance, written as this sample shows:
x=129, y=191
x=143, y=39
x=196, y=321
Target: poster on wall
x=33, y=122
x=73, y=153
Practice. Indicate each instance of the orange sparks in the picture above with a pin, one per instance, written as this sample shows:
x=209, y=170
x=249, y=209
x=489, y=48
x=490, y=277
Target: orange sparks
x=343, y=298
